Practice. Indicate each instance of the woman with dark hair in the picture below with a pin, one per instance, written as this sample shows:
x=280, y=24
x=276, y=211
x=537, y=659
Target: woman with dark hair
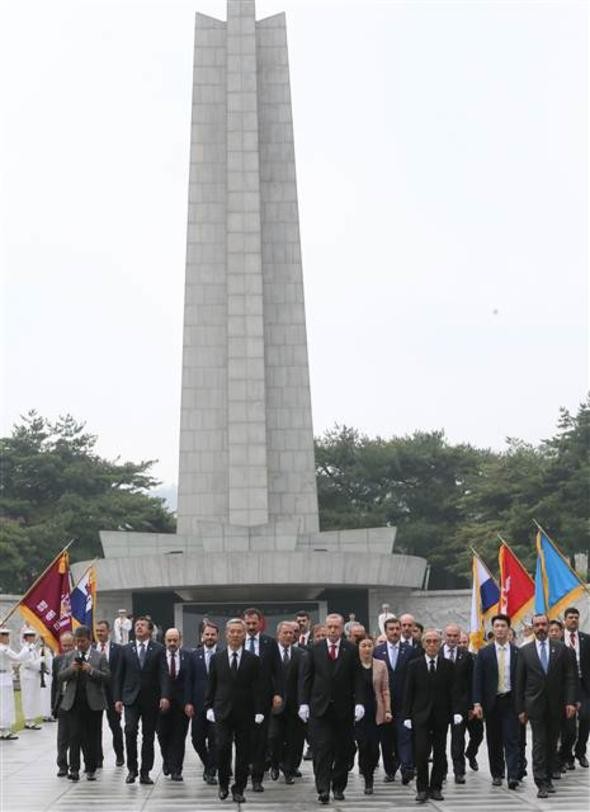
x=377, y=703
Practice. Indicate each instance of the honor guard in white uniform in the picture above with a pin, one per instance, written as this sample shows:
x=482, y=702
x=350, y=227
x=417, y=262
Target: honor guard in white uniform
x=8, y=658
x=121, y=628
x=45, y=680
x=30, y=680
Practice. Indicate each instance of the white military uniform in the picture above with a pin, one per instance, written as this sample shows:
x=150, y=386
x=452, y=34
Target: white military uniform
x=30, y=682
x=381, y=620
x=121, y=629
x=47, y=658
x=7, y=708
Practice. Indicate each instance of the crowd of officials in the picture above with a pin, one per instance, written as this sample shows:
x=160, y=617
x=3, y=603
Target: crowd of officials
x=257, y=705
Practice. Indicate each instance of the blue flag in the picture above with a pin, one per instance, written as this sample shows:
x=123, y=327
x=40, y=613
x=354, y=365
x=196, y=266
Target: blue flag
x=556, y=584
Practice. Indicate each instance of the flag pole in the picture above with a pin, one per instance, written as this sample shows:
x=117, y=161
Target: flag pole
x=483, y=563
x=92, y=563
x=35, y=582
x=565, y=561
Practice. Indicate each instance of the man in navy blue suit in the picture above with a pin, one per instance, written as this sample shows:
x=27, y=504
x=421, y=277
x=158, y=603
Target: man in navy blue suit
x=202, y=730
x=396, y=740
x=173, y=723
x=112, y=653
x=494, y=685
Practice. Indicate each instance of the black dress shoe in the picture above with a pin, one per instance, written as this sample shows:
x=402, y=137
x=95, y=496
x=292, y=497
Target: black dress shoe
x=257, y=786
x=550, y=789
x=165, y=769
x=131, y=776
x=144, y=778
x=459, y=779
x=436, y=795
x=324, y=798
x=473, y=764
x=74, y=776
x=211, y=780
x=421, y=797
x=176, y=777
x=308, y=755
x=338, y=795
x=570, y=764
x=407, y=777
x=120, y=762
x=542, y=792
x=512, y=783
x=496, y=781
x=223, y=793
x=389, y=778
x=297, y=773
x=62, y=772
x=556, y=776
x=238, y=797
x=583, y=761
x=289, y=779
x=274, y=773
x=91, y=776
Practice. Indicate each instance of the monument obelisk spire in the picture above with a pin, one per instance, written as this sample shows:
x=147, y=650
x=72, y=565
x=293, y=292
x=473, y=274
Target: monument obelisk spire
x=246, y=442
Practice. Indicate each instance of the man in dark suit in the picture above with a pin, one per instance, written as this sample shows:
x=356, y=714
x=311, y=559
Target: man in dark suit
x=462, y=659
x=331, y=698
x=66, y=642
x=494, y=683
x=266, y=649
x=304, y=637
x=545, y=692
x=173, y=723
x=234, y=703
x=430, y=702
x=141, y=686
x=202, y=731
x=111, y=651
x=286, y=731
x=84, y=673
x=396, y=740
x=579, y=643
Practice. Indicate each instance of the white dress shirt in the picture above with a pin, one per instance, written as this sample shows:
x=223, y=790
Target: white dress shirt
x=393, y=653
x=231, y=652
x=176, y=656
x=450, y=653
x=337, y=644
x=547, y=650
x=103, y=648
x=256, y=643
x=428, y=659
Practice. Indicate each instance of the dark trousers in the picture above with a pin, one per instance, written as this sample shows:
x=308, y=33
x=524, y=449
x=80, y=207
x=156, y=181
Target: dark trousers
x=235, y=729
x=405, y=745
x=146, y=709
x=503, y=739
x=114, y=720
x=332, y=738
x=172, y=728
x=583, y=727
x=367, y=738
x=63, y=739
x=574, y=733
x=457, y=749
x=259, y=747
x=522, y=762
x=475, y=730
x=203, y=739
x=286, y=735
x=431, y=735
x=83, y=725
x=387, y=736
x=545, y=735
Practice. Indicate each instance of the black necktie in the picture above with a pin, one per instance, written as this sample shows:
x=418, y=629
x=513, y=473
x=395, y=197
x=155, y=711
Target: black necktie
x=432, y=668
x=172, y=666
x=142, y=655
x=234, y=662
x=285, y=656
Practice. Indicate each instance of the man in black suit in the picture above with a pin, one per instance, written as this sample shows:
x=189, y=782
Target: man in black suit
x=396, y=740
x=66, y=642
x=331, y=698
x=286, y=731
x=579, y=643
x=303, y=638
x=202, y=731
x=462, y=659
x=494, y=684
x=84, y=673
x=266, y=649
x=545, y=691
x=234, y=703
x=430, y=702
x=173, y=723
x=141, y=686
x=111, y=651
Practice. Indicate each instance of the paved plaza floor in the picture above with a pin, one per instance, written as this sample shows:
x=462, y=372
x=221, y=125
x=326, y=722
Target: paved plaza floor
x=28, y=782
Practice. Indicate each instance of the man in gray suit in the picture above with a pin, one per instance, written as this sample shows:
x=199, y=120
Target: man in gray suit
x=84, y=673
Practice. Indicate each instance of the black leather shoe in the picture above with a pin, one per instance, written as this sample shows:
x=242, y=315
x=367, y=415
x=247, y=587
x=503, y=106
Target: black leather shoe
x=550, y=789
x=407, y=777
x=297, y=773
x=176, y=777
x=512, y=783
x=542, y=792
x=436, y=795
x=144, y=778
x=421, y=797
x=165, y=769
x=289, y=779
x=62, y=772
x=496, y=782
x=369, y=787
x=211, y=780
x=131, y=776
x=74, y=776
x=274, y=773
x=223, y=793
x=570, y=764
x=308, y=755
x=257, y=786
x=238, y=797
x=583, y=761
x=324, y=798
x=338, y=795
x=389, y=778
x=459, y=779
x=556, y=776
x=120, y=762
x=91, y=776
x=473, y=764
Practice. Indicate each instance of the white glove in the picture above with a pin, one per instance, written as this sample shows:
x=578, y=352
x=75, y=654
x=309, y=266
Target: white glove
x=457, y=719
x=408, y=723
x=259, y=719
x=359, y=712
x=210, y=715
x=303, y=713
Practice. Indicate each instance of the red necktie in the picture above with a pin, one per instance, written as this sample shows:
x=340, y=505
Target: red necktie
x=172, y=666
x=573, y=639
x=102, y=647
x=302, y=640
x=333, y=652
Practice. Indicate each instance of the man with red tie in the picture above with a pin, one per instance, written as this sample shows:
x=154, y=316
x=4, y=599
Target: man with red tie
x=111, y=651
x=173, y=723
x=579, y=645
x=304, y=637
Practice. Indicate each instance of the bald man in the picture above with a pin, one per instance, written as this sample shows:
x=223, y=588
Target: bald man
x=173, y=723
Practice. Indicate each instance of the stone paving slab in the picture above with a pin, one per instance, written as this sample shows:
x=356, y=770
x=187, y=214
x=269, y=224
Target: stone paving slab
x=28, y=782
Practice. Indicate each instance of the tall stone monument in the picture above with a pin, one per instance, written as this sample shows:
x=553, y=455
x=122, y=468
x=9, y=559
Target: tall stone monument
x=248, y=525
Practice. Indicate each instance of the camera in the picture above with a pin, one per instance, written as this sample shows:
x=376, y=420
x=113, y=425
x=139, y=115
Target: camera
x=80, y=658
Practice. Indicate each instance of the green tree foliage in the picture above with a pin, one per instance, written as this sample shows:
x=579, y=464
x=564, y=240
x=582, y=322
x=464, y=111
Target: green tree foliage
x=55, y=487
x=446, y=498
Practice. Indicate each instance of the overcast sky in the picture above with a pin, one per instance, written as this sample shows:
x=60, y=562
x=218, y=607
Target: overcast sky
x=442, y=173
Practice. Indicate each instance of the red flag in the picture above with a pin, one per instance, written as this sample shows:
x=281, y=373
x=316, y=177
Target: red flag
x=517, y=588
x=46, y=605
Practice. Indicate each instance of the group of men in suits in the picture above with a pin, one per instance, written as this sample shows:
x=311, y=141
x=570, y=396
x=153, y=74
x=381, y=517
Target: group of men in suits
x=264, y=695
